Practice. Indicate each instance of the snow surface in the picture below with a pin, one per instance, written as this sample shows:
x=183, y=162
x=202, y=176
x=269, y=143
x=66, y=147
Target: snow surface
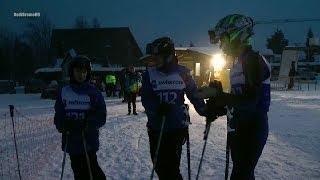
x=292, y=150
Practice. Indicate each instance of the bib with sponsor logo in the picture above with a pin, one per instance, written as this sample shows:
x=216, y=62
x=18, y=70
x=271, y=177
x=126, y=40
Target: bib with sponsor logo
x=76, y=105
x=237, y=80
x=168, y=87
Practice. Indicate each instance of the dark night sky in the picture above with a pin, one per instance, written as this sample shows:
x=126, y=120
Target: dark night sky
x=183, y=20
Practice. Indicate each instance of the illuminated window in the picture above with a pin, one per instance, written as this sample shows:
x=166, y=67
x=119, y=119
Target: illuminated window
x=197, y=69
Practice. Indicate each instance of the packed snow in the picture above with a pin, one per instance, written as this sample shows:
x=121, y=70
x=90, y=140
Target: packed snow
x=292, y=150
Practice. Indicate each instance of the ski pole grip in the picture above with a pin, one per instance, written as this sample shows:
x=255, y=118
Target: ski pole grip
x=11, y=107
x=206, y=132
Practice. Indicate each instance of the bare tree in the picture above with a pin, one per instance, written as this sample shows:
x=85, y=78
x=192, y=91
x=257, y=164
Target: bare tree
x=309, y=52
x=22, y=60
x=81, y=23
x=7, y=54
x=38, y=35
x=95, y=23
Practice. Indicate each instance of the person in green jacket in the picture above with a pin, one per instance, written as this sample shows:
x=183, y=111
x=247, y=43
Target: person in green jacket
x=132, y=87
x=110, y=84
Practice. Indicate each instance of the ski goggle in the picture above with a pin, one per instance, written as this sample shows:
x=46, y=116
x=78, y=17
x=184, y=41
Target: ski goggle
x=217, y=39
x=213, y=37
x=155, y=50
x=151, y=49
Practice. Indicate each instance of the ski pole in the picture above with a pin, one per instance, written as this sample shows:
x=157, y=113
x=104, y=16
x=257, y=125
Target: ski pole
x=186, y=111
x=226, y=172
x=205, y=137
x=11, y=107
x=155, y=159
x=64, y=154
x=188, y=155
x=86, y=152
x=229, y=130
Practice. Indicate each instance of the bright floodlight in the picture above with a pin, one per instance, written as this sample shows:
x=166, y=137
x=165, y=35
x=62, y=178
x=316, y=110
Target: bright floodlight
x=218, y=62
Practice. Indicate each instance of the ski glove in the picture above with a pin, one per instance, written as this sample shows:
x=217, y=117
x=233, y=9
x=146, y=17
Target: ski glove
x=213, y=90
x=163, y=110
x=216, y=102
x=215, y=107
x=75, y=125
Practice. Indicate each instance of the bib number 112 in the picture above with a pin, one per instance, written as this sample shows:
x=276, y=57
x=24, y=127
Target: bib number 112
x=167, y=97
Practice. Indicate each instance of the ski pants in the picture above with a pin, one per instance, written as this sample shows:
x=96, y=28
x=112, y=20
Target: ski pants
x=131, y=98
x=291, y=82
x=81, y=170
x=110, y=90
x=247, y=143
x=169, y=156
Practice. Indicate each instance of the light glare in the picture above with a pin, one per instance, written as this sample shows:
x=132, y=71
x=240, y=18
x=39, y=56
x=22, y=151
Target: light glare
x=218, y=62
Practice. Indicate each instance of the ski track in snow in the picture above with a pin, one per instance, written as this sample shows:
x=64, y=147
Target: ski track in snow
x=292, y=150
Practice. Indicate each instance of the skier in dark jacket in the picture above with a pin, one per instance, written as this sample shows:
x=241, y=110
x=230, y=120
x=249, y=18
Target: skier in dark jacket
x=292, y=73
x=162, y=95
x=249, y=100
x=122, y=77
x=80, y=111
x=132, y=87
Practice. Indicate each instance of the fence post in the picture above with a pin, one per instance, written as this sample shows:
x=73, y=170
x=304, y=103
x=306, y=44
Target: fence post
x=285, y=84
x=300, y=85
x=11, y=107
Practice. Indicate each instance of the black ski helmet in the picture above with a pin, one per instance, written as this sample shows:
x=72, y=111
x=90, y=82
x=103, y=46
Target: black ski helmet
x=80, y=62
x=163, y=46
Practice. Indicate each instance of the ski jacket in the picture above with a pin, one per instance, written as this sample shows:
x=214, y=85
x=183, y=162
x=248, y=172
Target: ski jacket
x=292, y=71
x=170, y=88
x=111, y=79
x=132, y=83
x=78, y=103
x=250, y=84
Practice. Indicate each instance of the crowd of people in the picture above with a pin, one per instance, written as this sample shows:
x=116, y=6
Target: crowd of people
x=81, y=110
x=114, y=84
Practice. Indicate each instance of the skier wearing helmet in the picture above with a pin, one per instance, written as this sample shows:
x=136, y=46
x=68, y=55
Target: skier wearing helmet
x=249, y=100
x=80, y=111
x=162, y=95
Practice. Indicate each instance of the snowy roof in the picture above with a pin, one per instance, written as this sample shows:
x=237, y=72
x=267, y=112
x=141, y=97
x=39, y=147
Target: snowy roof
x=206, y=50
x=48, y=69
x=114, y=68
x=145, y=56
x=58, y=62
x=95, y=67
x=266, y=52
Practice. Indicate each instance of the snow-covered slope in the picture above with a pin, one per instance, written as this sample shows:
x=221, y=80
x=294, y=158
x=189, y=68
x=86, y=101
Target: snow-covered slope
x=292, y=150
